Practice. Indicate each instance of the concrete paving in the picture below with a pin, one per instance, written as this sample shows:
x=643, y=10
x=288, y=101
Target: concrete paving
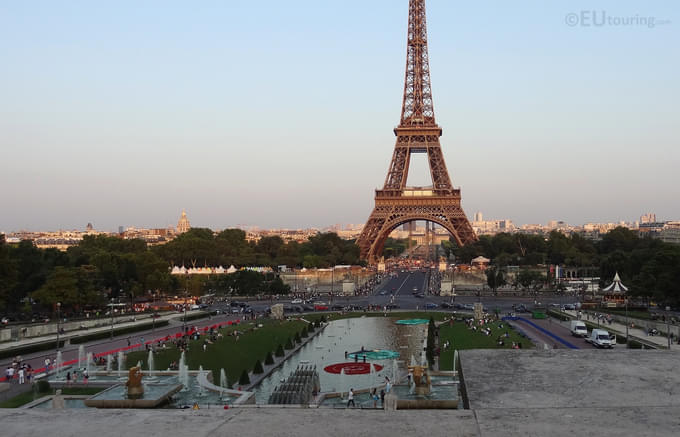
x=562, y=378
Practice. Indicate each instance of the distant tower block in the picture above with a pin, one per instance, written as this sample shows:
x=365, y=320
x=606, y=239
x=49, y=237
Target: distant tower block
x=478, y=216
x=183, y=223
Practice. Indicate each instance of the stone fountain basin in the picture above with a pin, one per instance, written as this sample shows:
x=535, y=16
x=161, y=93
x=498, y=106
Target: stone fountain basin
x=116, y=396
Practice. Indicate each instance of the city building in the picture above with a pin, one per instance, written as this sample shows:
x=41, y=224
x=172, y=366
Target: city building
x=183, y=223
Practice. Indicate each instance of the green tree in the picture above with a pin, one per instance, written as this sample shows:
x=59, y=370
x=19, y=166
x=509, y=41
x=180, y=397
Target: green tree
x=244, y=379
x=61, y=286
x=495, y=277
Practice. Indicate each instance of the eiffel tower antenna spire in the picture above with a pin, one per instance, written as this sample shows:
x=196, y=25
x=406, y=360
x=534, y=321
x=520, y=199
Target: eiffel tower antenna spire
x=417, y=108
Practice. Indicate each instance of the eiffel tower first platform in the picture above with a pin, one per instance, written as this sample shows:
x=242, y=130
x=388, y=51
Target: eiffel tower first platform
x=395, y=203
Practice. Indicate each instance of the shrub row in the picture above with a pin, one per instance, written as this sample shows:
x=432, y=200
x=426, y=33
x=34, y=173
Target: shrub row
x=119, y=331
x=196, y=316
x=23, y=350
x=558, y=315
x=279, y=352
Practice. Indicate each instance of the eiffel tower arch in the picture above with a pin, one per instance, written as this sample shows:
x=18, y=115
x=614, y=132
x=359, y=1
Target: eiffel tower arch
x=396, y=203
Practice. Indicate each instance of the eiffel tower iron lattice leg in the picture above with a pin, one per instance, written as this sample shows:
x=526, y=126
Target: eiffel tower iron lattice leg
x=395, y=203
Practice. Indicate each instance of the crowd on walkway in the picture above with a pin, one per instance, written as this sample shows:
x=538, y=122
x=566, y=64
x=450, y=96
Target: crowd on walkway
x=19, y=371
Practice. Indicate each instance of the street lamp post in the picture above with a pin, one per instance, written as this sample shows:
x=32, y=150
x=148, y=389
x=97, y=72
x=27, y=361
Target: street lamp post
x=184, y=324
x=668, y=326
x=111, y=310
x=58, y=318
x=627, y=322
x=153, y=312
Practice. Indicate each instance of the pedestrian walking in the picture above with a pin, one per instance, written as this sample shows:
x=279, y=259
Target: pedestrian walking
x=350, y=398
x=22, y=377
x=47, y=364
x=86, y=376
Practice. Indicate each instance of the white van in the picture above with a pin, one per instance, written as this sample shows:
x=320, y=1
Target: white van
x=600, y=338
x=578, y=328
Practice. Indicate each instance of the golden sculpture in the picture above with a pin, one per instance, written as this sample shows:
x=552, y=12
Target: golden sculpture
x=421, y=379
x=135, y=389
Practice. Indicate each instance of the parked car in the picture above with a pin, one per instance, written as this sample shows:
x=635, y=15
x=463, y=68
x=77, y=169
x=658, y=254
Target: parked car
x=446, y=305
x=430, y=306
x=392, y=306
x=420, y=295
x=319, y=307
x=296, y=301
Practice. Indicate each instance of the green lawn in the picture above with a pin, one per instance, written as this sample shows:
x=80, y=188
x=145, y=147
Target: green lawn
x=644, y=315
x=461, y=337
x=29, y=396
x=234, y=356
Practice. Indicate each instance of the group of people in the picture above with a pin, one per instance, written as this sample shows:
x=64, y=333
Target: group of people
x=374, y=395
x=72, y=377
x=23, y=372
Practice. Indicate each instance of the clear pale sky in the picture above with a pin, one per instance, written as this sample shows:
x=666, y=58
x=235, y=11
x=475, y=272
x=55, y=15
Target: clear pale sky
x=280, y=114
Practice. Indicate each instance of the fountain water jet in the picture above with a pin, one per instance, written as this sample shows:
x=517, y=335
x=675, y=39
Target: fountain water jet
x=223, y=380
x=342, y=383
x=121, y=366
x=58, y=363
x=81, y=357
x=150, y=362
x=108, y=363
x=183, y=372
x=88, y=361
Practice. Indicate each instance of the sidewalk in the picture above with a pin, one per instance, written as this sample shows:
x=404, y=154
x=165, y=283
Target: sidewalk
x=7, y=345
x=620, y=330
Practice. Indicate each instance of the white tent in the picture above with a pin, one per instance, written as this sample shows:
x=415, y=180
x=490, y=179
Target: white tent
x=616, y=286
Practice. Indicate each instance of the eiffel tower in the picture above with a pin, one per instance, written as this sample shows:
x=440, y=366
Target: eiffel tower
x=395, y=203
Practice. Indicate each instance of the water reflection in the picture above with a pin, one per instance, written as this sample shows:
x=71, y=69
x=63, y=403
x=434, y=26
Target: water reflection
x=350, y=335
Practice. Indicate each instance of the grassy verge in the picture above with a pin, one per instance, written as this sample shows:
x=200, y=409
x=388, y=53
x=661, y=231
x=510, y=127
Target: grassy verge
x=436, y=315
x=120, y=331
x=25, y=350
x=461, y=337
x=29, y=396
x=228, y=353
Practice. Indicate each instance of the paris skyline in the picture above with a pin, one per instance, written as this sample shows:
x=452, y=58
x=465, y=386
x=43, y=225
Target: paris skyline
x=281, y=116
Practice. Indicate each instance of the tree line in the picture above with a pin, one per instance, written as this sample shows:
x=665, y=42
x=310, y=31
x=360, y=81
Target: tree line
x=104, y=267
x=649, y=267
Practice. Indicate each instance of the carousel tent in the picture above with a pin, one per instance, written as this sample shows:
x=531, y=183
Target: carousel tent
x=616, y=286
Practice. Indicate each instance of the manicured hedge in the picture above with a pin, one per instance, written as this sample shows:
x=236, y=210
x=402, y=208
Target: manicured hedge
x=119, y=331
x=201, y=315
x=28, y=349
